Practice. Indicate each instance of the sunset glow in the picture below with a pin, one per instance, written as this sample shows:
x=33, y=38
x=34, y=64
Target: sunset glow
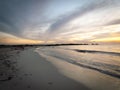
x=75, y=21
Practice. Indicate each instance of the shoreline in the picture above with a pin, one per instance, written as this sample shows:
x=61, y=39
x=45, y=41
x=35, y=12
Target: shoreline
x=38, y=74
x=39, y=71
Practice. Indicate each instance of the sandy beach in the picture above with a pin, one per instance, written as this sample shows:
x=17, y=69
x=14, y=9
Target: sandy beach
x=35, y=73
x=59, y=44
x=37, y=69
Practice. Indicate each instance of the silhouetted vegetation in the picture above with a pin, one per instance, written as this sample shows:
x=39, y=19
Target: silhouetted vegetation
x=27, y=45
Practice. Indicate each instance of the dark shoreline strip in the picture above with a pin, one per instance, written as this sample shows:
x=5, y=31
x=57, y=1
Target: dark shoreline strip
x=97, y=69
x=92, y=51
x=107, y=72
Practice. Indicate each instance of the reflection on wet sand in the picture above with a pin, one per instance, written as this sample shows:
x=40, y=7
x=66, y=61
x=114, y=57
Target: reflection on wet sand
x=35, y=73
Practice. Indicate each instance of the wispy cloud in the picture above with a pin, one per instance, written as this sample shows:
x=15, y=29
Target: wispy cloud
x=60, y=20
x=86, y=8
x=117, y=21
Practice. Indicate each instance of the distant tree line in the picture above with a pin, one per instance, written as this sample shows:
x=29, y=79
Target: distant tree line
x=33, y=45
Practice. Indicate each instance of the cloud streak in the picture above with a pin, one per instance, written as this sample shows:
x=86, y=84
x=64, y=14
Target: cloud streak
x=18, y=14
x=60, y=20
x=86, y=8
x=114, y=22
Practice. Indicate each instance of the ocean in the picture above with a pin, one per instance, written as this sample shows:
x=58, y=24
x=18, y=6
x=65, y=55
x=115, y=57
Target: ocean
x=102, y=58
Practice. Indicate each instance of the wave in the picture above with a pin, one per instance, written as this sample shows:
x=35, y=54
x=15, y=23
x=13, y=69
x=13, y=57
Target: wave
x=94, y=51
x=108, y=69
x=102, y=69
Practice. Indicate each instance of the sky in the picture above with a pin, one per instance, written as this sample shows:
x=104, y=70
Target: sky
x=59, y=21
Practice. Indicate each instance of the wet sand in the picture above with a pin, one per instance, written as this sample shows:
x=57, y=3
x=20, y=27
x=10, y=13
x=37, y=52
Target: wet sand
x=36, y=73
x=64, y=60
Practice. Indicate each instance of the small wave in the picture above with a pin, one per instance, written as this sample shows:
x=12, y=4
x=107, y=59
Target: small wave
x=105, y=71
x=93, y=51
x=108, y=69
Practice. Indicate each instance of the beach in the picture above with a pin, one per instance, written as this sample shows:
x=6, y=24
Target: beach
x=59, y=68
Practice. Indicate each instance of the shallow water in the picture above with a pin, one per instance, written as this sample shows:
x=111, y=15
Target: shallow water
x=107, y=48
x=102, y=59
x=105, y=59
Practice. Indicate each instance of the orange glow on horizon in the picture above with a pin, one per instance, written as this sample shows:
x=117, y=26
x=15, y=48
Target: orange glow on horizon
x=19, y=41
x=10, y=39
x=109, y=39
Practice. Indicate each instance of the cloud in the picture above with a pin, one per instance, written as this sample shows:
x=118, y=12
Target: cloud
x=19, y=14
x=114, y=22
x=61, y=20
x=86, y=8
x=11, y=39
